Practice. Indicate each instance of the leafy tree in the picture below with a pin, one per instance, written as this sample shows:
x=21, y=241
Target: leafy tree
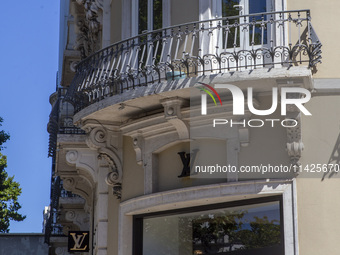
x=9, y=191
x=262, y=233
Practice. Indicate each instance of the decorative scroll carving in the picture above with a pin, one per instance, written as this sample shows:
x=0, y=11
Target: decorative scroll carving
x=72, y=156
x=101, y=140
x=87, y=40
x=114, y=177
x=68, y=183
x=96, y=138
x=79, y=218
x=70, y=215
x=73, y=66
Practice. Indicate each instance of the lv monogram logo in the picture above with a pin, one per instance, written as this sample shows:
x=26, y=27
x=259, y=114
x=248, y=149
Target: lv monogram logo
x=79, y=241
x=186, y=158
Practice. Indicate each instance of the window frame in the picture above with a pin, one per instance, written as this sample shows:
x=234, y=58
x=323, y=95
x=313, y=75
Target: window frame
x=135, y=15
x=137, y=233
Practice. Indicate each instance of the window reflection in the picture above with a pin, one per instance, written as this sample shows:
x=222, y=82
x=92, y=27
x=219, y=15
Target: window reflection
x=249, y=229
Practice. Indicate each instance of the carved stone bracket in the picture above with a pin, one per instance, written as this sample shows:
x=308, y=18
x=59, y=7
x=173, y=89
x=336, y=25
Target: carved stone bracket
x=114, y=177
x=80, y=186
x=294, y=141
x=138, y=146
x=172, y=112
x=79, y=218
x=106, y=144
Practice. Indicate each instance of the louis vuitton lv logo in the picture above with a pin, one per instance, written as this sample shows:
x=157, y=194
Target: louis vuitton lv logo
x=186, y=158
x=78, y=241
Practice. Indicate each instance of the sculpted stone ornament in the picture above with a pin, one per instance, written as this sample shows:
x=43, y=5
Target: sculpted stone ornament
x=113, y=178
x=82, y=41
x=79, y=218
x=172, y=113
x=294, y=142
x=87, y=41
x=96, y=138
x=73, y=65
x=68, y=183
x=138, y=146
x=103, y=142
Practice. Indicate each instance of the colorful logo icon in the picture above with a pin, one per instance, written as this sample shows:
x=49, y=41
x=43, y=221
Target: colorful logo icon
x=209, y=93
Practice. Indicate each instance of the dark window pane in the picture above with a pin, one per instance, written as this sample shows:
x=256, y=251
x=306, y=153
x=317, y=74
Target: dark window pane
x=257, y=6
x=229, y=10
x=143, y=16
x=157, y=14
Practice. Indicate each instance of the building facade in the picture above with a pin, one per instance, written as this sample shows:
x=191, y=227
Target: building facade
x=195, y=127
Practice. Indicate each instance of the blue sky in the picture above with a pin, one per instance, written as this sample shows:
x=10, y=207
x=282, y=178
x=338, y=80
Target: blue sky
x=29, y=60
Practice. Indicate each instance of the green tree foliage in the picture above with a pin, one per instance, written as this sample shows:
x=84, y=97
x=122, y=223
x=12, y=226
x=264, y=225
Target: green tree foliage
x=9, y=191
x=210, y=233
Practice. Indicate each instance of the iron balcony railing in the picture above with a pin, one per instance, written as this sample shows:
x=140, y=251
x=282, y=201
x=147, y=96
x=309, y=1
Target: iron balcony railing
x=60, y=122
x=262, y=40
x=52, y=227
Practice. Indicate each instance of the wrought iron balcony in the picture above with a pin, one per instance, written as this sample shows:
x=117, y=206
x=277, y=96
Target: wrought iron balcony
x=262, y=40
x=60, y=122
x=52, y=227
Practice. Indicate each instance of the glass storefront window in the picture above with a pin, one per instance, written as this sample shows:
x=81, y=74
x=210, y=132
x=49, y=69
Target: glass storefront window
x=245, y=227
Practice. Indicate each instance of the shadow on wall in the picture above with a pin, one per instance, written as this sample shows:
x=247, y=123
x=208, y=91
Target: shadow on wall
x=333, y=162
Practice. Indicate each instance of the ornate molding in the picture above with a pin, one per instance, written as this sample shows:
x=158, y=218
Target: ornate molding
x=80, y=186
x=89, y=27
x=96, y=138
x=79, y=218
x=114, y=177
x=84, y=160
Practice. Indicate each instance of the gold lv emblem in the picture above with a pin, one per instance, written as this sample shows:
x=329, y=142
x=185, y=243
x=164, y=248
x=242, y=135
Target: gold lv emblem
x=78, y=241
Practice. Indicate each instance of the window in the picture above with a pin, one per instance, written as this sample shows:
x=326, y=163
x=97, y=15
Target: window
x=244, y=227
x=239, y=36
x=150, y=15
